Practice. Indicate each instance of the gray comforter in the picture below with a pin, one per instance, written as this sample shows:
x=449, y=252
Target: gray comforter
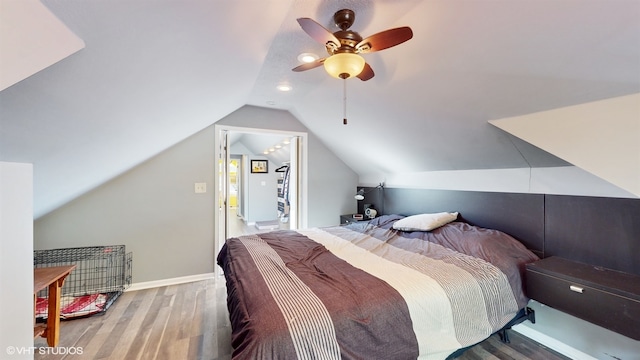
x=366, y=291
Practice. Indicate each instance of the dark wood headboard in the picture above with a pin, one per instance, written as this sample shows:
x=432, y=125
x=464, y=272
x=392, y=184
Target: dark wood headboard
x=593, y=230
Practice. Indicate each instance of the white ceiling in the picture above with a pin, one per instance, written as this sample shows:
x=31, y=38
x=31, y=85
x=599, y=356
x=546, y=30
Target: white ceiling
x=258, y=143
x=154, y=72
x=25, y=47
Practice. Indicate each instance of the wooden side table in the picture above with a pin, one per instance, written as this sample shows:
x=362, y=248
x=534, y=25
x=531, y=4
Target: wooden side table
x=53, y=277
x=605, y=297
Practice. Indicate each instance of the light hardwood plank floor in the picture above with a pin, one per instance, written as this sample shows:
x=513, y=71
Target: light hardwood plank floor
x=190, y=321
x=186, y=321
x=238, y=227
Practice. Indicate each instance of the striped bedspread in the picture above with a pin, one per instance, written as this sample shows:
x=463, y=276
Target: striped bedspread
x=367, y=292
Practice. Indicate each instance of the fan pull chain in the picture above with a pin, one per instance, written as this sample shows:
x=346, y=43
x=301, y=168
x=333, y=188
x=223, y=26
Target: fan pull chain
x=344, y=102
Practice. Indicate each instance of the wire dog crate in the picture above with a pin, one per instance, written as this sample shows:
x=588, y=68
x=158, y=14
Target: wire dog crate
x=101, y=275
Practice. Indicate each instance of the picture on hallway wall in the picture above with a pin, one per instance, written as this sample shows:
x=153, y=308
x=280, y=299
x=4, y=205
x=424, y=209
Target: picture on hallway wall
x=259, y=166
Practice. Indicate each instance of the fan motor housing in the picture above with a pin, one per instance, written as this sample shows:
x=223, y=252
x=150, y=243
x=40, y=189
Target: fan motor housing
x=348, y=39
x=344, y=18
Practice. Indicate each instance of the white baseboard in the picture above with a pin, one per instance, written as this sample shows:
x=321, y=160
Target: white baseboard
x=167, y=282
x=551, y=343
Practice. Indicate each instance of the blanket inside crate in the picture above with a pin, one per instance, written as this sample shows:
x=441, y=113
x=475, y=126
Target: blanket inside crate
x=74, y=306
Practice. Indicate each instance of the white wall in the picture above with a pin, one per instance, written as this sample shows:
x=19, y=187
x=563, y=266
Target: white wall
x=601, y=137
x=576, y=338
x=16, y=259
x=601, y=141
x=562, y=180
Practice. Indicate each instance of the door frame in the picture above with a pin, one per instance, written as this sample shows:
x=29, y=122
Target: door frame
x=221, y=201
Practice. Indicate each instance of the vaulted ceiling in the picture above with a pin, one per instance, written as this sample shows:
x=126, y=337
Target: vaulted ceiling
x=152, y=73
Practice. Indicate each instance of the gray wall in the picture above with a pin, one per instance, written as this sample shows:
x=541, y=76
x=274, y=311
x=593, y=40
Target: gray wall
x=332, y=186
x=153, y=210
x=262, y=193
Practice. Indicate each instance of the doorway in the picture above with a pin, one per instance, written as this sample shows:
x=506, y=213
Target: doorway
x=234, y=174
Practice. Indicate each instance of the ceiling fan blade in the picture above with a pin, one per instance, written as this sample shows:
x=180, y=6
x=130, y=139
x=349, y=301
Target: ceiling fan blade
x=367, y=73
x=318, y=32
x=384, y=40
x=309, y=66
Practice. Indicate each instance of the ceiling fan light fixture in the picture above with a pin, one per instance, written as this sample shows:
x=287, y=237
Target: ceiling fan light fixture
x=344, y=65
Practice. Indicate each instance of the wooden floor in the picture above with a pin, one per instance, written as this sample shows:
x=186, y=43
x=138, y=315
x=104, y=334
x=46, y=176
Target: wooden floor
x=190, y=321
x=187, y=321
x=238, y=227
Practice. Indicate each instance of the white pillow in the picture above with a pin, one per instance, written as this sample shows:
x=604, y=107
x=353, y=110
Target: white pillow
x=424, y=222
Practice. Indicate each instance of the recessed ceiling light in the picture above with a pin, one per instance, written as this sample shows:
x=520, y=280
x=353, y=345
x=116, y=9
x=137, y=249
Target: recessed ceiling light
x=284, y=87
x=307, y=57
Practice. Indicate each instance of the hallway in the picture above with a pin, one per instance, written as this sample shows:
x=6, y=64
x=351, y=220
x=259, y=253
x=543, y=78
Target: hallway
x=238, y=227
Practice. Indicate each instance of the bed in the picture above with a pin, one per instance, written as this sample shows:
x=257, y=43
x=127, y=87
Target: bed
x=371, y=290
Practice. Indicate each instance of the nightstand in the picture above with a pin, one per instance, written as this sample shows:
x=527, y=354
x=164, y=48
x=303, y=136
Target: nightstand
x=348, y=219
x=605, y=297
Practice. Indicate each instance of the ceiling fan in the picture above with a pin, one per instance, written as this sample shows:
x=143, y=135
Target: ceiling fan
x=344, y=46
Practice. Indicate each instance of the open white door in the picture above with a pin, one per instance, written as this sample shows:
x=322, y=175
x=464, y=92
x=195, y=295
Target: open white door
x=294, y=184
x=221, y=195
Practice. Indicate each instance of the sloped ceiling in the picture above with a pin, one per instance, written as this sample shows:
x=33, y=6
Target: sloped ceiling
x=155, y=72
x=27, y=47
x=604, y=137
x=258, y=143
